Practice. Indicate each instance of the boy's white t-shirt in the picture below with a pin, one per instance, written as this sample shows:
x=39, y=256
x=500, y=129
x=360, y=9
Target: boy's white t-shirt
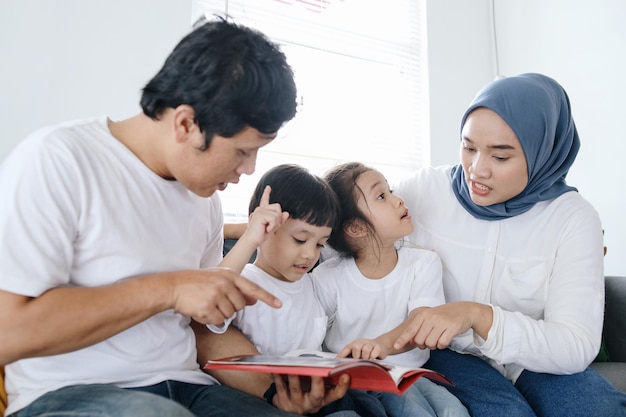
x=299, y=324
x=359, y=307
x=78, y=208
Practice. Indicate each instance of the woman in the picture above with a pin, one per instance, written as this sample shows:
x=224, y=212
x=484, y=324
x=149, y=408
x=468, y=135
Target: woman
x=523, y=260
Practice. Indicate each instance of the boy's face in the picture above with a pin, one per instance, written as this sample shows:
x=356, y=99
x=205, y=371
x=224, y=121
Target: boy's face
x=292, y=250
x=205, y=171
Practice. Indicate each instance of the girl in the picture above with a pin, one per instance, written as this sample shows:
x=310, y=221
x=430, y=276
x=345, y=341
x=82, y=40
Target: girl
x=373, y=287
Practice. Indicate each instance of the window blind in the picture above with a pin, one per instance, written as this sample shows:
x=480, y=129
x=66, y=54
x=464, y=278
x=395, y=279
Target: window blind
x=360, y=69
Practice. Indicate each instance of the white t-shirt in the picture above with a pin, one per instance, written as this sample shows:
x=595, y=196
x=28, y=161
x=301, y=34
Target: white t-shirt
x=542, y=271
x=79, y=208
x=359, y=307
x=299, y=324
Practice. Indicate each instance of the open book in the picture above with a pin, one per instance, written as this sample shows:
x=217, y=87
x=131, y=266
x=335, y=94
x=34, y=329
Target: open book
x=367, y=374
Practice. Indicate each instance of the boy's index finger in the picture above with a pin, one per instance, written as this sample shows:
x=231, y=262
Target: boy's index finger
x=265, y=198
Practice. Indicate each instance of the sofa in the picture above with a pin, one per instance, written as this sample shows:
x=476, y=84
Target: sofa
x=612, y=359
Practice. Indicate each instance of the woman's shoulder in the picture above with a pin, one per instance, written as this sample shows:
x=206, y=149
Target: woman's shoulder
x=410, y=252
x=567, y=206
x=429, y=174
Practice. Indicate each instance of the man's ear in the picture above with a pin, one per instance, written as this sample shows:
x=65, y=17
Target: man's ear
x=183, y=122
x=355, y=228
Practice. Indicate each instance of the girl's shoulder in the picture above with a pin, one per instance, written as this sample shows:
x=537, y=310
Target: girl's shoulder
x=330, y=264
x=412, y=252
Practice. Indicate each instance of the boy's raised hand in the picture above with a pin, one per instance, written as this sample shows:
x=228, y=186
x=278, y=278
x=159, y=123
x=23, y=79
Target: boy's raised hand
x=265, y=219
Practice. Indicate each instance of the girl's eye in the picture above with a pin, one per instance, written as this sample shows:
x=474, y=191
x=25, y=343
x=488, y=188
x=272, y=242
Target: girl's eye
x=243, y=153
x=320, y=245
x=381, y=196
x=299, y=242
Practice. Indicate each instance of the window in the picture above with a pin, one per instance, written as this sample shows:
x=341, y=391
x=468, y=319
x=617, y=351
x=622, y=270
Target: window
x=360, y=73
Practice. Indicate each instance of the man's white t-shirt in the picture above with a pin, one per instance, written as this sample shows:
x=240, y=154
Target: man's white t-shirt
x=78, y=208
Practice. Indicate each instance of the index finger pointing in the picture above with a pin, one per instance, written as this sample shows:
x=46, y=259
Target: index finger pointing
x=253, y=293
x=265, y=198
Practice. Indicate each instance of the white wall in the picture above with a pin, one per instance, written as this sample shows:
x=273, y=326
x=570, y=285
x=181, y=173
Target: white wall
x=66, y=59
x=577, y=42
x=581, y=44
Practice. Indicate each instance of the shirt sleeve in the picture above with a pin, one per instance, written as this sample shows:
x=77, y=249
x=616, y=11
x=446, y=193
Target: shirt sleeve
x=39, y=212
x=565, y=337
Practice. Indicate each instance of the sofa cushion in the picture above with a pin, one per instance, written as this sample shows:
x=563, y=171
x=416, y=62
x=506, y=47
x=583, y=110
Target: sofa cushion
x=615, y=372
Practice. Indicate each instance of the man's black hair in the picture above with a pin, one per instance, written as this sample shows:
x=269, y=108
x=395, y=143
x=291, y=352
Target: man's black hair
x=231, y=75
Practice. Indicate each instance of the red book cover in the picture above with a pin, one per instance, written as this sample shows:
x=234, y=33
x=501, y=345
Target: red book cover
x=374, y=375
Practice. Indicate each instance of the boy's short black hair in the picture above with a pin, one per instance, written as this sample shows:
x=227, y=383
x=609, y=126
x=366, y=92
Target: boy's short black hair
x=231, y=75
x=303, y=195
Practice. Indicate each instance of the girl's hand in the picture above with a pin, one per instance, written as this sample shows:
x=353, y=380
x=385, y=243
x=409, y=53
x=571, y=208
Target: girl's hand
x=364, y=349
x=435, y=327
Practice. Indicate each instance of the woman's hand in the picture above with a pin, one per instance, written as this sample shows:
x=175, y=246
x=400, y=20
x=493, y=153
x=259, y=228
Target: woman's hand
x=303, y=395
x=435, y=327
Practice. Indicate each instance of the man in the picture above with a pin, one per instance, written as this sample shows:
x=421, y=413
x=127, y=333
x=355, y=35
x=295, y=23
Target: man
x=108, y=230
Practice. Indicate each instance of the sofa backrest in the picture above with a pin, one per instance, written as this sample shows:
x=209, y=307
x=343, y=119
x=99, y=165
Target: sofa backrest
x=615, y=318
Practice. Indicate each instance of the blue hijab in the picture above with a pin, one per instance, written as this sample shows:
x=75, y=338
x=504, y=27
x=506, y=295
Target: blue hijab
x=538, y=111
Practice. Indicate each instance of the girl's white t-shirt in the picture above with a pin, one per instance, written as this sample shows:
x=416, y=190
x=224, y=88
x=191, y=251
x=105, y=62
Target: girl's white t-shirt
x=359, y=307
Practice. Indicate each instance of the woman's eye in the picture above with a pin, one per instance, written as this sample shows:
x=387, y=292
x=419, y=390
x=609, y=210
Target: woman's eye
x=298, y=241
x=468, y=149
x=500, y=158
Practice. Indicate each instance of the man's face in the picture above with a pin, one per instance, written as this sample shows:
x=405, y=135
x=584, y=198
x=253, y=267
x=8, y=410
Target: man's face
x=205, y=171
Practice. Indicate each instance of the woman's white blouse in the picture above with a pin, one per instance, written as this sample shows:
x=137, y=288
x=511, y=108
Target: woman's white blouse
x=541, y=271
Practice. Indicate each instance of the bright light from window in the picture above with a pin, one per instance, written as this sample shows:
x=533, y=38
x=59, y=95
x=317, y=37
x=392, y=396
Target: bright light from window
x=360, y=89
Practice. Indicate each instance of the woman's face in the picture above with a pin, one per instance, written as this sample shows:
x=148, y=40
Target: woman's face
x=493, y=161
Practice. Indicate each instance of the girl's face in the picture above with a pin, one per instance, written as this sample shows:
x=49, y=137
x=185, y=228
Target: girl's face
x=292, y=250
x=493, y=160
x=386, y=211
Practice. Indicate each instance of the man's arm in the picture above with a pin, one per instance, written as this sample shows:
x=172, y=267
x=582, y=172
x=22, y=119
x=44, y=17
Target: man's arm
x=65, y=319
